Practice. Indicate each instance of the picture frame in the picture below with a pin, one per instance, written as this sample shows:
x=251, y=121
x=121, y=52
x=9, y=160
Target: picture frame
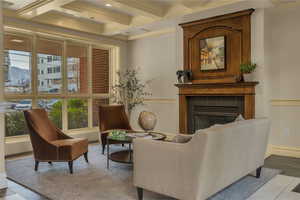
x=213, y=54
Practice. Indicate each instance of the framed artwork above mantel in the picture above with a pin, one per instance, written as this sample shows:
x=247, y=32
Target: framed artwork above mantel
x=213, y=54
x=215, y=47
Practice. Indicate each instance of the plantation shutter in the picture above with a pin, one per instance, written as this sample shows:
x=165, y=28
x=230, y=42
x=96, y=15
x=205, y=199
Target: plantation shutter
x=100, y=70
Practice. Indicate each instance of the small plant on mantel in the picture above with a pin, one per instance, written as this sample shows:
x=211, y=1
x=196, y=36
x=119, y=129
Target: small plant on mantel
x=246, y=70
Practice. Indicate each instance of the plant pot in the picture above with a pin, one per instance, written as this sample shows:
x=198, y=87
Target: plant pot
x=248, y=77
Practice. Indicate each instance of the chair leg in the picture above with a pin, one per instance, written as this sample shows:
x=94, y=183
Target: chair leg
x=258, y=172
x=50, y=163
x=71, y=166
x=140, y=193
x=86, y=157
x=36, y=167
x=103, y=148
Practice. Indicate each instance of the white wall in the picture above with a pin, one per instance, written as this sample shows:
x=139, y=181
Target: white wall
x=156, y=59
x=282, y=56
x=2, y=166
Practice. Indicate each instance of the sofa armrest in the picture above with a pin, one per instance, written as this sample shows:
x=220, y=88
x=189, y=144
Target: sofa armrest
x=157, y=164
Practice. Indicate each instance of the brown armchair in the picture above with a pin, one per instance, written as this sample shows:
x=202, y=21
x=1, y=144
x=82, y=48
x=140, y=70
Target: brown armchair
x=49, y=143
x=112, y=117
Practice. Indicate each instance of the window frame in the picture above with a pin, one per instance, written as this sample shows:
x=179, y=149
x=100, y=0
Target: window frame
x=64, y=95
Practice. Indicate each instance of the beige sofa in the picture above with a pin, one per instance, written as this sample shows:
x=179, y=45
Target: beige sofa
x=213, y=159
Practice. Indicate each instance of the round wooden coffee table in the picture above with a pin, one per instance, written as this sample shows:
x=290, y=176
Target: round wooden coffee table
x=125, y=156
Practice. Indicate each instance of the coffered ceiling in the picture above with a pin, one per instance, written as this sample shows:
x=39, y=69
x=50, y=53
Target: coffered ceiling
x=108, y=17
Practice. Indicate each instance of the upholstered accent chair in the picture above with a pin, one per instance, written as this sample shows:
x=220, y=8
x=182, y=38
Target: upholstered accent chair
x=196, y=169
x=49, y=143
x=112, y=117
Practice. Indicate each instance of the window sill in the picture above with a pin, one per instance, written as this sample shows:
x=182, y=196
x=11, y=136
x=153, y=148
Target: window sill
x=74, y=132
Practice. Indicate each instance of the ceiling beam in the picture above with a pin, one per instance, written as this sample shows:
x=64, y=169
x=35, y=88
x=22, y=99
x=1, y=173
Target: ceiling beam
x=32, y=6
x=99, y=14
x=194, y=3
x=140, y=7
x=56, y=18
x=42, y=7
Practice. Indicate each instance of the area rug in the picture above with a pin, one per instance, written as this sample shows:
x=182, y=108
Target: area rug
x=93, y=181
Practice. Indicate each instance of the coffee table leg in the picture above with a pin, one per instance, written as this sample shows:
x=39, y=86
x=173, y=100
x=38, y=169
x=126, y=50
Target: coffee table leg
x=107, y=162
x=130, y=153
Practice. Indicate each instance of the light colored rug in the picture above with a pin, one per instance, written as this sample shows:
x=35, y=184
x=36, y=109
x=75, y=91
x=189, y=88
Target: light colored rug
x=93, y=181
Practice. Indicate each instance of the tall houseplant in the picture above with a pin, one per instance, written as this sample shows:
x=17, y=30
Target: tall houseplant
x=246, y=70
x=129, y=91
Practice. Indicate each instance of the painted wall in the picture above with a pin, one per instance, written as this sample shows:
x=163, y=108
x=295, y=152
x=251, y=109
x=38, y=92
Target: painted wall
x=155, y=57
x=2, y=167
x=282, y=57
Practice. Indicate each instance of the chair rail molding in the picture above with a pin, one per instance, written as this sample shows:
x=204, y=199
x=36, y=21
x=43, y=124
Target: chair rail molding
x=285, y=102
x=283, y=151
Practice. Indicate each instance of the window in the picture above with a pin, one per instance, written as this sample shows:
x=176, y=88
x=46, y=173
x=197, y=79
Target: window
x=14, y=119
x=17, y=64
x=77, y=113
x=47, y=49
x=100, y=71
x=49, y=59
x=77, y=68
x=54, y=110
x=57, y=81
x=49, y=70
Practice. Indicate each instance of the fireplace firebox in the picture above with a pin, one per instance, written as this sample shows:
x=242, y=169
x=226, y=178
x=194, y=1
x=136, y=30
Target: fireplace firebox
x=205, y=111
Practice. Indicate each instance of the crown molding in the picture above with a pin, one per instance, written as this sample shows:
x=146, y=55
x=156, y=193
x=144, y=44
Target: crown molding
x=152, y=33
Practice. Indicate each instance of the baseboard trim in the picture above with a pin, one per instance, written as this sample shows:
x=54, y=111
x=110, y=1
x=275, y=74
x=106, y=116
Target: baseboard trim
x=3, y=181
x=283, y=151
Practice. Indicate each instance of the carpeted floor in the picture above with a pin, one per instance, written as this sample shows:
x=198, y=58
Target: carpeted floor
x=93, y=181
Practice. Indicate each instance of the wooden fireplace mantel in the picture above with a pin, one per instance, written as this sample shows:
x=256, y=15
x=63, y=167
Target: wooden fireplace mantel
x=245, y=89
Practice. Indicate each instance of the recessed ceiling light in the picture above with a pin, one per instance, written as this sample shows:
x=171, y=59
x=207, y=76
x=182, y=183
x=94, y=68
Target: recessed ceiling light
x=108, y=5
x=17, y=41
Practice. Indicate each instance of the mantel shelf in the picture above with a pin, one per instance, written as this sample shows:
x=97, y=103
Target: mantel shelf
x=217, y=85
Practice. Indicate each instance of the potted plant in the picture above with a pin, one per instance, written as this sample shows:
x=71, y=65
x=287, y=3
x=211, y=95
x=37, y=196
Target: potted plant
x=246, y=70
x=129, y=91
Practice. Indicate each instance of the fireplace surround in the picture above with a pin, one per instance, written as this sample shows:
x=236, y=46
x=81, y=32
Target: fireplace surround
x=221, y=102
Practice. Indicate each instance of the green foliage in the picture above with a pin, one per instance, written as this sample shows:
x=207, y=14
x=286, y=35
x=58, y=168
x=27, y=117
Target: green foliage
x=77, y=117
x=55, y=114
x=130, y=90
x=15, y=124
x=247, y=68
x=77, y=113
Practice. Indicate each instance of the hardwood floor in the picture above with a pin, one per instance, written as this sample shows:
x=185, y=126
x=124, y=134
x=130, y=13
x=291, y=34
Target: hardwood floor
x=289, y=166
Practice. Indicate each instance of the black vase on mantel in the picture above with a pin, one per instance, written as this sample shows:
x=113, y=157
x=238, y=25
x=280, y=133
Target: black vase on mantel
x=184, y=76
